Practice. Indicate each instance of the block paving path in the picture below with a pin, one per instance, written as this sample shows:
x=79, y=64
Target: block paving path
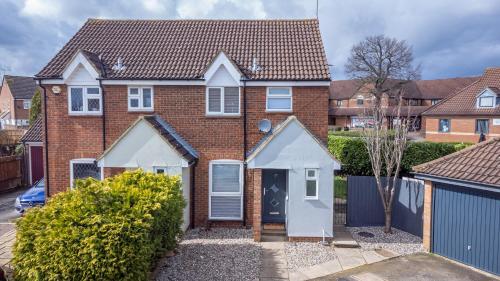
x=6, y=243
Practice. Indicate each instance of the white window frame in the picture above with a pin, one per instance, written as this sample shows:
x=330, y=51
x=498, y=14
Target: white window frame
x=360, y=98
x=439, y=125
x=85, y=101
x=434, y=101
x=139, y=96
x=81, y=161
x=26, y=102
x=486, y=106
x=316, y=179
x=222, y=98
x=239, y=193
x=282, y=96
x=156, y=168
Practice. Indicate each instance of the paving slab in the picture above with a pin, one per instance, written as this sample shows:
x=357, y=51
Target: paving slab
x=372, y=256
x=350, y=257
x=274, y=264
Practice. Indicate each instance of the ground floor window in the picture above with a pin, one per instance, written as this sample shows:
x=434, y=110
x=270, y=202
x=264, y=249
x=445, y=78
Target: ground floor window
x=226, y=190
x=311, y=183
x=84, y=168
x=444, y=125
x=482, y=126
x=362, y=122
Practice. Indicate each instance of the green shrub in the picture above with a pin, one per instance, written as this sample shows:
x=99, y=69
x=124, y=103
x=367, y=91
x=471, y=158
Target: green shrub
x=103, y=230
x=340, y=187
x=353, y=155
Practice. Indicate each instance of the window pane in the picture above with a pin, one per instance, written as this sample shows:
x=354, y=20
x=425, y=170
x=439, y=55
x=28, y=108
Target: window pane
x=311, y=188
x=146, y=97
x=444, y=125
x=279, y=103
x=231, y=100
x=311, y=173
x=225, y=178
x=76, y=99
x=482, y=126
x=93, y=91
x=86, y=170
x=214, y=100
x=134, y=91
x=134, y=102
x=93, y=105
x=279, y=91
x=486, y=101
x=225, y=207
x=160, y=171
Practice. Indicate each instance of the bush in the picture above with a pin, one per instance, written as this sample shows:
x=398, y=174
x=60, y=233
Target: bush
x=340, y=187
x=353, y=155
x=103, y=230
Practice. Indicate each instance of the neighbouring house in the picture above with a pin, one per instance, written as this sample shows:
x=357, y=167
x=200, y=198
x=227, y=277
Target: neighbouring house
x=462, y=205
x=351, y=99
x=187, y=98
x=15, y=101
x=470, y=112
x=33, y=152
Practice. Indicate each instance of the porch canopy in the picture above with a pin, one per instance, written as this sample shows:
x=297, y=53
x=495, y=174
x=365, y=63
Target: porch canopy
x=149, y=143
x=291, y=147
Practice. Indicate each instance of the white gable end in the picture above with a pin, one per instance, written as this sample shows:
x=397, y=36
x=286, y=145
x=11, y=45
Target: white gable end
x=222, y=70
x=142, y=147
x=486, y=98
x=80, y=72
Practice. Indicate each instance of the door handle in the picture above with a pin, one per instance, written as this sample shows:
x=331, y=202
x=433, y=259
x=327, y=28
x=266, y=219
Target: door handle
x=264, y=191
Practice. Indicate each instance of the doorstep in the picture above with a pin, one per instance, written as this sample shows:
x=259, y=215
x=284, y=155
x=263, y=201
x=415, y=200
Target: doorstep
x=342, y=238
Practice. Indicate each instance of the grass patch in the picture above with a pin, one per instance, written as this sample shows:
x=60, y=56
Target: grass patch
x=340, y=184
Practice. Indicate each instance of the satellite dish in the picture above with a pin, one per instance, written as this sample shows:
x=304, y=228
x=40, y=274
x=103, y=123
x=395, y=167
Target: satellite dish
x=265, y=125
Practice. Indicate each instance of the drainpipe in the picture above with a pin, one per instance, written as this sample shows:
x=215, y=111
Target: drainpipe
x=244, y=151
x=191, y=194
x=103, y=116
x=46, y=140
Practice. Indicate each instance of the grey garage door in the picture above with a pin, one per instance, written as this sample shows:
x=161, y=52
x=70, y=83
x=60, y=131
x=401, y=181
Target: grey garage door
x=466, y=226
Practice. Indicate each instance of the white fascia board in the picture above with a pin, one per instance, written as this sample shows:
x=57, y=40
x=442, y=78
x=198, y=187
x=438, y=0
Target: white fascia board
x=78, y=59
x=222, y=59
x=154, y=82
x=288, y=83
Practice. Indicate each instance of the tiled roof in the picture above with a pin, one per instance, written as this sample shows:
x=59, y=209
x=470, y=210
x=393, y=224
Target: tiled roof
x=169, y=133
x=392, y=111
x=34, y=133
x=183, y=49
x=21, y=87
x=464, y=101
x=479, y=163
x=419, y=89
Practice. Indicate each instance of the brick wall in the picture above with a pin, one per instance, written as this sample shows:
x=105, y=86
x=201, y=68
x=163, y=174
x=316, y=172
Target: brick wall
x=20, y=112
x=183, y=107
x=462, y=129
x=5, y=98
x=427, y=225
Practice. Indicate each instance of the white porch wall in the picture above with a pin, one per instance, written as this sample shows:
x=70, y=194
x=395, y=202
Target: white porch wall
x=295, y=149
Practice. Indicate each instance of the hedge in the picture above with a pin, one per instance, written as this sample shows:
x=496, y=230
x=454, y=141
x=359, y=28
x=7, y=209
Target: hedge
x=353, y=155
x=103, y=230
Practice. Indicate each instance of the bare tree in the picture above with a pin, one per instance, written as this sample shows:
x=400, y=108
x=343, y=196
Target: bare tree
x=385, y=65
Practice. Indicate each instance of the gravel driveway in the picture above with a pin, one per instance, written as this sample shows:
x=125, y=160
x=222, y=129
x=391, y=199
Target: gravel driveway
x=305, y=254
x=216, y=254
x=399, y=241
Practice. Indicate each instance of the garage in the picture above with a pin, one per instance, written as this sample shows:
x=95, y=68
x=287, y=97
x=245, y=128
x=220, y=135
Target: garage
x=462, y=206
x=466, y=226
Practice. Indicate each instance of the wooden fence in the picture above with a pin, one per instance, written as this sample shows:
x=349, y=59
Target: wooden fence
x=10, y=172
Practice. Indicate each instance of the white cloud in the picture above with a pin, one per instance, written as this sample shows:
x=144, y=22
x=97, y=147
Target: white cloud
x=42, y=8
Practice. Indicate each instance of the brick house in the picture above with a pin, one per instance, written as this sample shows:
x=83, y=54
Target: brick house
x=463, y=116
x=349, y=99
x=187, y=97
x=15, y=101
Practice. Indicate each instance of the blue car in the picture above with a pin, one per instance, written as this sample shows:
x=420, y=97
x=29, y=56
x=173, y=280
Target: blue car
x=35, y=196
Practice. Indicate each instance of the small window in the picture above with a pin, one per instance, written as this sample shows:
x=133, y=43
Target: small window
x=160, y=170
x=85, y=100
x=140, y=99
x=226, y=196
x=311, y=183
x=27, y=104
x=486, y=102
x=223, y=101
x=444, y=125
x=279, y=99
x=434, y=101
x=84, y=168
x=482, y=126
x=339, y=102
x=360, y=100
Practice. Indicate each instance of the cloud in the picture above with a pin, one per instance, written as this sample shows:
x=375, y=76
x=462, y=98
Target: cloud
x=449, y=37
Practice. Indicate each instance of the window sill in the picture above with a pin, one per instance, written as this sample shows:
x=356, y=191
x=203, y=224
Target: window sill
x=141, y=110
x=225, y=219
x=83, y=114
x=311, y=198
x=279, y=111
x=223, y=115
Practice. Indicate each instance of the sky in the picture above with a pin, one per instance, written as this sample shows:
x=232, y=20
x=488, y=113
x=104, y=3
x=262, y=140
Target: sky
x=450, y=38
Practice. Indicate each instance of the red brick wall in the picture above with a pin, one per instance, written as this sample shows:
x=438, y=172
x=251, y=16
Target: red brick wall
x=462, y=129
x=5, y=98
x=183, y=107
x=20, y=112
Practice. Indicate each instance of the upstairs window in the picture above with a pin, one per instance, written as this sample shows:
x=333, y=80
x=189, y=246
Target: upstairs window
x=444, y=125
x=482, y=126
x=223, y=101
x=140, y=99
x=339, y=102
x=27, y=104
x=360, y=100
x=279, y=99
x=85, y=100
x=434, y=101
x=84, y=168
